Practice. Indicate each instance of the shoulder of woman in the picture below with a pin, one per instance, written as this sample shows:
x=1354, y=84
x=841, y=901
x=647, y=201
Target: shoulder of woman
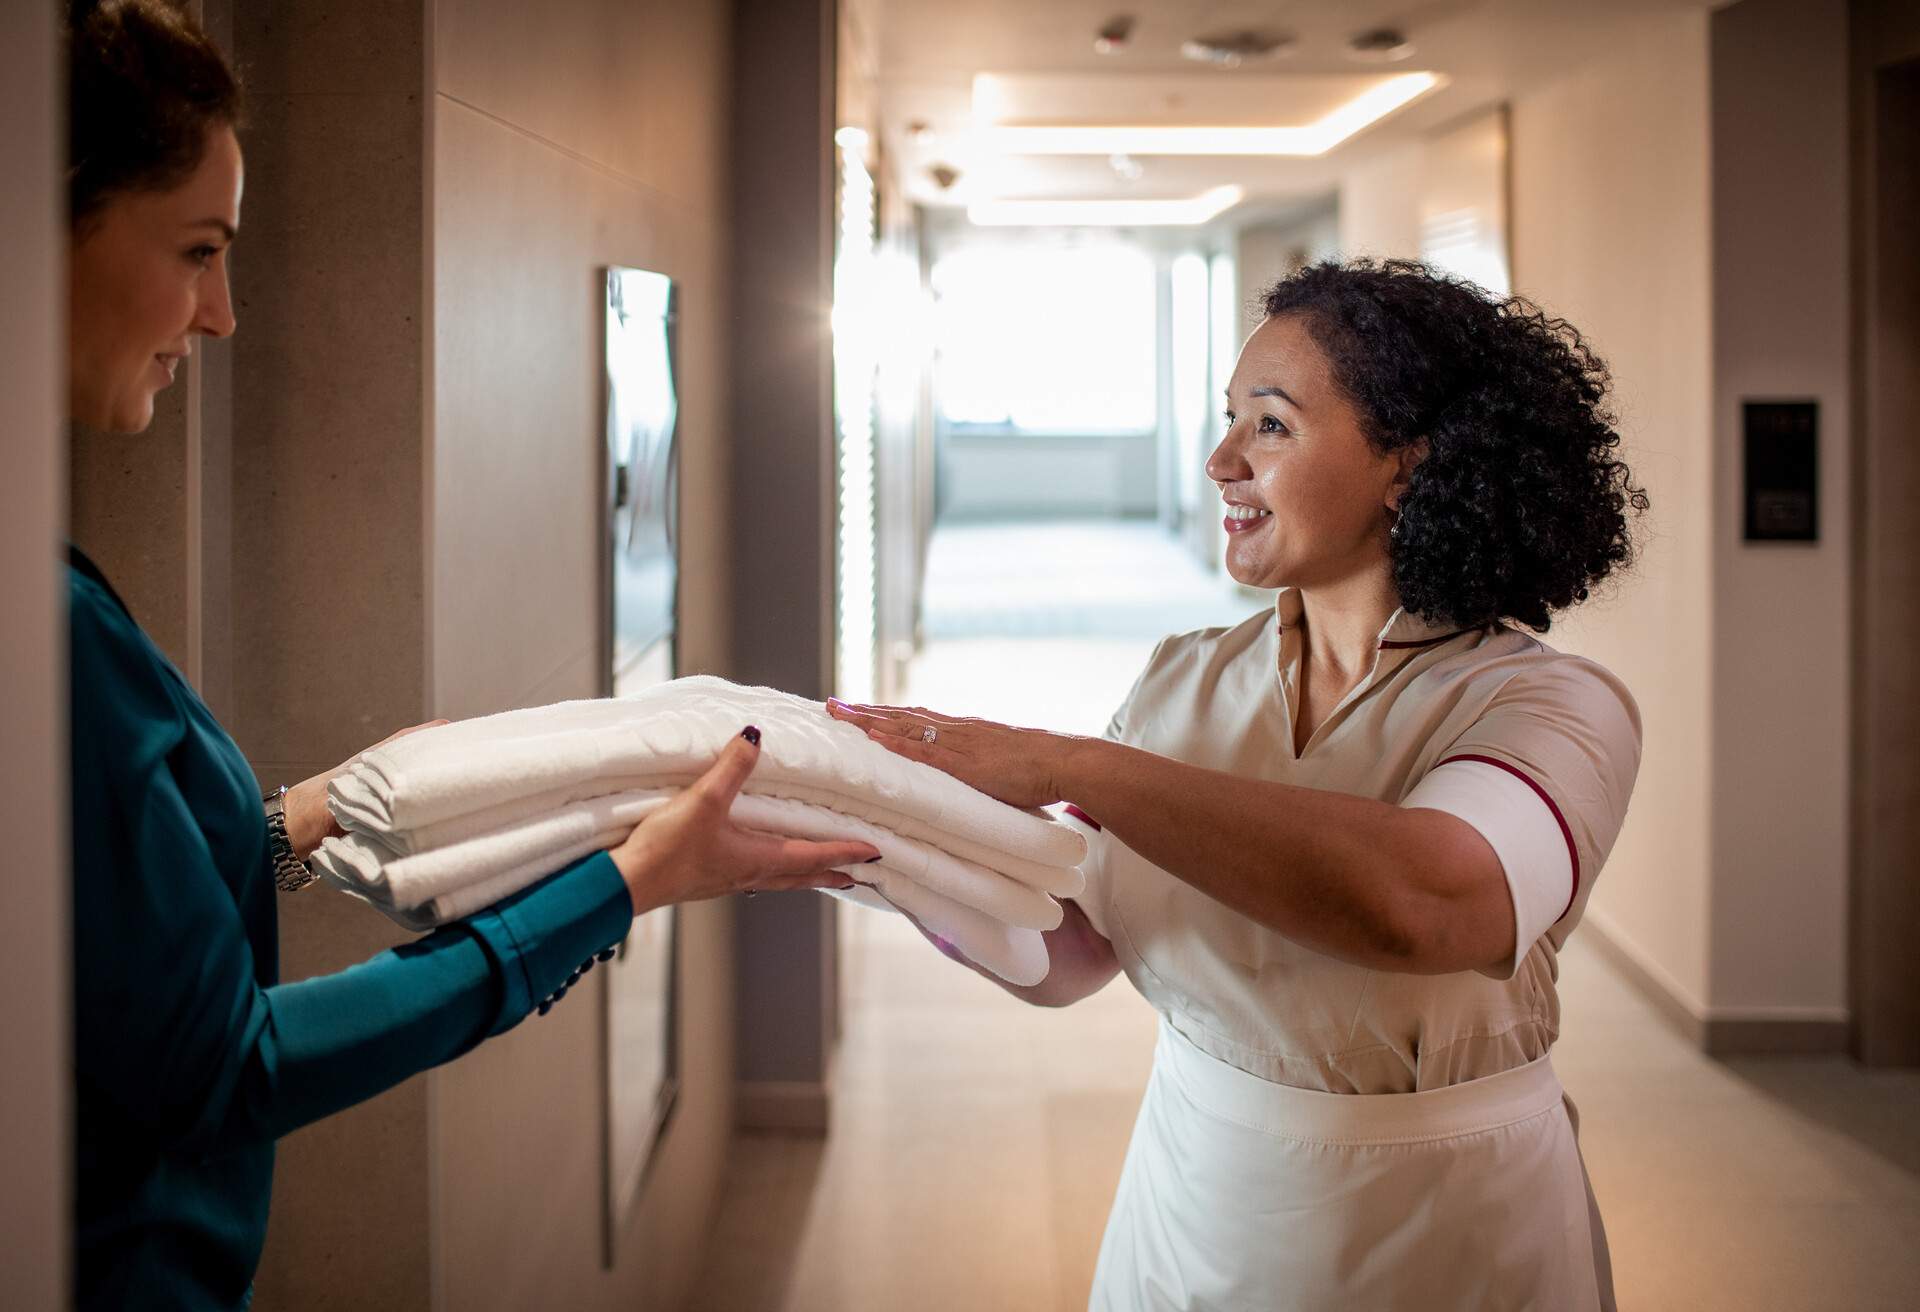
x=119, y=686
x=1538, y=680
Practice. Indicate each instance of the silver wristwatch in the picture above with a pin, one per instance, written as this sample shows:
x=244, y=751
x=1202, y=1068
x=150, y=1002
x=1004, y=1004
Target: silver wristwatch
x=290, y=873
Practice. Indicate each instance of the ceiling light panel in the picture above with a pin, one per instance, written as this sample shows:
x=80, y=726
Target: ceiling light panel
x=1188, y=211
x=1092, y=115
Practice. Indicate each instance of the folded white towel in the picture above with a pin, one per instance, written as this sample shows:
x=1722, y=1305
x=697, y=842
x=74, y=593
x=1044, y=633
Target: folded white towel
x=428, y=889
x=444, y=785
x=450, y=820
x=409, y=882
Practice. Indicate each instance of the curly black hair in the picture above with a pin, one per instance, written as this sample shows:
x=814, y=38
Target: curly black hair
x=1519, y=507
x=144, y=85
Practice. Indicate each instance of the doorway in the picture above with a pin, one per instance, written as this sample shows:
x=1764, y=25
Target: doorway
x=1886, y=805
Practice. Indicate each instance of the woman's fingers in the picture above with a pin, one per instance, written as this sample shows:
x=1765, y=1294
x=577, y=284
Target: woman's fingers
x=812, y=879
x=723, y=780
x=774, y=857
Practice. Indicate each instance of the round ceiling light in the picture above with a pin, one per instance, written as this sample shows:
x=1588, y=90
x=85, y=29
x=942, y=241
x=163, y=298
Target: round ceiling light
x=1231, y=49
x=1380, y=45
x=1114, y=34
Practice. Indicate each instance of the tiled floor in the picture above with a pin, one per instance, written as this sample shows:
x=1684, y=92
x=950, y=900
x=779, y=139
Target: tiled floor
x=976, y=1141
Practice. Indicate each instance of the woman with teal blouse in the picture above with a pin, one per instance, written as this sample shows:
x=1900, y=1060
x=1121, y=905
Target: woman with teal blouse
x=190, y=1057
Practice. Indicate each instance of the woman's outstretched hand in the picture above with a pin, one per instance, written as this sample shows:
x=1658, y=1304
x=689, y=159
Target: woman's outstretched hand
x=309, y=822
x=1021, y=767
x=691, y=849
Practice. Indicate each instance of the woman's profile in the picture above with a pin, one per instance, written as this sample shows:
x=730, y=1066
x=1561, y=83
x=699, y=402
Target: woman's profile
x=190, y=1056
x=1340, y=845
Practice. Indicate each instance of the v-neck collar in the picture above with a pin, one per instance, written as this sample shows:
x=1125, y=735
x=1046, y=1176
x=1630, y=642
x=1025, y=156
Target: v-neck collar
x=1404, y=635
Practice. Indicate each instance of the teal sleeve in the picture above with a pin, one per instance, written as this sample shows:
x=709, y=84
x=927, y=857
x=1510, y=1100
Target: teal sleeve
x=335, y=1040
x=172, y=1018
x=179, y=1023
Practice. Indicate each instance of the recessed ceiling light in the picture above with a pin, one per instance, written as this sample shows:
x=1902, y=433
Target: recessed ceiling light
x=1231, y=49
x=1114, y=34
x=1380, y=45
x=1315, y=138
x=1185, y=213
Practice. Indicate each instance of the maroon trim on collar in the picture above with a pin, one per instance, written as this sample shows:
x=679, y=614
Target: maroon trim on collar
x=1566, y=832
x=1083, y=817
x=1429, y=642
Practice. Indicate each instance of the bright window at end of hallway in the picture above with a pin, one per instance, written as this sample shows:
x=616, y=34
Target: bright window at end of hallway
x=1048, y=335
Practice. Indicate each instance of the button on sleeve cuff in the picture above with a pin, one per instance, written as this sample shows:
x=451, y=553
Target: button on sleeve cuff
x=539, y=936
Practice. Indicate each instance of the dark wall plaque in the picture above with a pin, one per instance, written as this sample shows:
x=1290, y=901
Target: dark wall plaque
x=1782, y=443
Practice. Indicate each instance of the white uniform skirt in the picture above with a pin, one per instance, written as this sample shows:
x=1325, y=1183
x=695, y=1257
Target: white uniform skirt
x=1239, y=1193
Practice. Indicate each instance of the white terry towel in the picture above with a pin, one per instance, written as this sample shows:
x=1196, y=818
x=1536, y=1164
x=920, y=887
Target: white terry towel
x=428, y=889
x=457, y=781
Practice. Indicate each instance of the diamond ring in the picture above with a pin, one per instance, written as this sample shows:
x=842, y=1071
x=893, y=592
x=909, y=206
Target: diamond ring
x=929, y=735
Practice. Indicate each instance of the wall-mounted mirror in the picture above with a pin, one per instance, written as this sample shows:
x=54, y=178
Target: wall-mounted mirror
x=640, y=582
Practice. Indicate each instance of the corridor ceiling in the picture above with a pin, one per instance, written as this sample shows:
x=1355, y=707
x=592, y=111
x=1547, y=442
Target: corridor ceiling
x=964, y=67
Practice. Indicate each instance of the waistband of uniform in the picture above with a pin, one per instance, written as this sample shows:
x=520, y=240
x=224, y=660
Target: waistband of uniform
x=1355, y=1118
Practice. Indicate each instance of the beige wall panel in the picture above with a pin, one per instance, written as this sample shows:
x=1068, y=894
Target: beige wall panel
x=624, y=85
x=327, y=545
x=522, y=234
x=519, y=1145
x=327, y=552
x=36, y=897
x=128, y=504
x=1610, y=222
x=1781, y=614
x=347, y=1228
x=1380, y=206
x=568, y=138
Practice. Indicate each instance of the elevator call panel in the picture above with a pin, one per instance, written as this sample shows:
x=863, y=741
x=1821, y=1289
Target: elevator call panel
x=1781, y=440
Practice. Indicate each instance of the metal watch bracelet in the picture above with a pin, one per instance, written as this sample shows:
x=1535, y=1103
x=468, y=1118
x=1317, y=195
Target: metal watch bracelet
x=290, y=873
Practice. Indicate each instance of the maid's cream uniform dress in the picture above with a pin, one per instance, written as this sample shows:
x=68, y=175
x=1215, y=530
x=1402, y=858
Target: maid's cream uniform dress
x=1318, y=1135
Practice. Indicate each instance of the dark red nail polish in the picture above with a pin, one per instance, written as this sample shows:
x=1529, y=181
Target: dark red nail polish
x=751, y=734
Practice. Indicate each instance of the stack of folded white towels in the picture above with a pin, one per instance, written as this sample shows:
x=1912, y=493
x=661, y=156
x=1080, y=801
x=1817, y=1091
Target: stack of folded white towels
x=447, y=821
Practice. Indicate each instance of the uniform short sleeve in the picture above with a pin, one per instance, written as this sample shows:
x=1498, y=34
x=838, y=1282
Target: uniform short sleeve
x=1544, y=774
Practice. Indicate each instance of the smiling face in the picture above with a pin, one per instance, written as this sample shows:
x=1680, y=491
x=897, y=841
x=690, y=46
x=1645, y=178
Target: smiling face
x=1307, y=495
x=146, y=274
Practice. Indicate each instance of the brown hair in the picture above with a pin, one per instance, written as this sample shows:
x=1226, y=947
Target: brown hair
x=145, y=86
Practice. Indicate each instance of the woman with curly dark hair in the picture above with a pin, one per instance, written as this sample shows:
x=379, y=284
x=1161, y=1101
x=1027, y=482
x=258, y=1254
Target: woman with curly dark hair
x=1340, y=847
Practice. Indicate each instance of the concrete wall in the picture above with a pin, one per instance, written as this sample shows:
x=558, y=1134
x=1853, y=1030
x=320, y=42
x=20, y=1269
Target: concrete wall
x=329, y=630
x=781, y=500
x=35, y=897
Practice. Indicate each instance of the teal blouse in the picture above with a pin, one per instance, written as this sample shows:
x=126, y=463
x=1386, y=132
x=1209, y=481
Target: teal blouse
x=190, y=1057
